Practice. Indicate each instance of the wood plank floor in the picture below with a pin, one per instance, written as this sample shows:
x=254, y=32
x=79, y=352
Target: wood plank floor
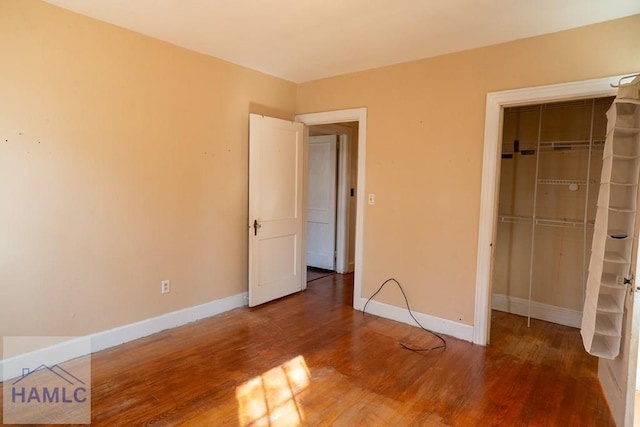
x=317, y=273
x=310, y=359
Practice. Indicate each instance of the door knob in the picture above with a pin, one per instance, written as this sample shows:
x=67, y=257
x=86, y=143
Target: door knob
x=256, y=225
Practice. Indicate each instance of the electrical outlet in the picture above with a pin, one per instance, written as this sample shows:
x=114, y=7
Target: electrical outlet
x=165, y=286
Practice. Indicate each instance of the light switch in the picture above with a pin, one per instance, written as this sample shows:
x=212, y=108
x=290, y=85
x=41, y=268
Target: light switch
x=372, y=199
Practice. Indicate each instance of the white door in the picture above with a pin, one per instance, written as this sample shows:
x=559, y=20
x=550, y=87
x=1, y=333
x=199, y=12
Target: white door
x=321, y=210
x=276, y=168
x=618, y=376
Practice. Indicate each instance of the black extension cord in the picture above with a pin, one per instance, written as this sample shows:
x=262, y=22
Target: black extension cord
x=408, y=347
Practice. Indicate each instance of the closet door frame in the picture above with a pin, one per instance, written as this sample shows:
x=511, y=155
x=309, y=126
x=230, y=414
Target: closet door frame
x=495, y=103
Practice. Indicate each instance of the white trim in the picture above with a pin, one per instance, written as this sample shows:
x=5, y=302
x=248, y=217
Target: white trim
x=435, y=324
x=496, y=101
x=71, y=349
x=546, y=312
x=305, y=204
x=342, y=215
x=341, y=116
x=614, y=395
x=133, y=331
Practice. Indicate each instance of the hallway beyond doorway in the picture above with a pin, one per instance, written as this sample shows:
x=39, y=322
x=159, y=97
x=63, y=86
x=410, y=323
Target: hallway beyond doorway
x=317, y=273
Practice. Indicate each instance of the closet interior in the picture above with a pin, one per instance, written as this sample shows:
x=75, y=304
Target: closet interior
x=551, y=164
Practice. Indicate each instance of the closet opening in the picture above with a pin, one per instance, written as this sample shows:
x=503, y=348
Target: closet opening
x=551, y=161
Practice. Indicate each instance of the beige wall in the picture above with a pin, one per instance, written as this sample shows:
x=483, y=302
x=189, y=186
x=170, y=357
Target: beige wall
x=424, y=151
x=123, y=161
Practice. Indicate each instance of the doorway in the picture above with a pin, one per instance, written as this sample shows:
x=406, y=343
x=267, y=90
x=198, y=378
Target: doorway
x=331, y=202
x=357, y=116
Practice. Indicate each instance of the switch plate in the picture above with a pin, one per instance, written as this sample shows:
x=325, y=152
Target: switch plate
x=165, y=286
x=372, y=199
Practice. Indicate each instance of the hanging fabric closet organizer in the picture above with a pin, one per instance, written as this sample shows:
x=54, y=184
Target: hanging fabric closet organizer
x=612, y=252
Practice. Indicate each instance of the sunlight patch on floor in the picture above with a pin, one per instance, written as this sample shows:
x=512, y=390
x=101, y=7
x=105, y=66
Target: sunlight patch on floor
x=270, y=399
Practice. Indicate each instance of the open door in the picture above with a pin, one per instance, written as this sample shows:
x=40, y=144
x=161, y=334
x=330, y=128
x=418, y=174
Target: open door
x=321, y=212
x=618, y=376
x=276, y=166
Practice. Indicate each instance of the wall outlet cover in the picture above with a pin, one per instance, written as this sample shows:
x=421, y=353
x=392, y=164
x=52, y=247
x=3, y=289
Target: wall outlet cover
x=165, y=286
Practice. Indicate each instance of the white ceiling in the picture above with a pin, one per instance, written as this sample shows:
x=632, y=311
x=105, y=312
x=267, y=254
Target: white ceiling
x=303, y=40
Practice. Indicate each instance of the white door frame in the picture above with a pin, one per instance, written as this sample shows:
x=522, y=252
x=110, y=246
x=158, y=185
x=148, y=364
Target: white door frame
x=496, y=102
x=343, y=116
x=343, y=211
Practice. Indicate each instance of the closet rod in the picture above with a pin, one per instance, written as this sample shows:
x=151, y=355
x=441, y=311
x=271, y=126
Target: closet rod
x=579, y=142
x=553, y=105
x=547, y=181
x=565, y=223
x=546, y=145
x=551, y=222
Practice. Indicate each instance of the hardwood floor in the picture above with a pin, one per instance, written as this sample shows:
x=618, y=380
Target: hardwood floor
x=310, y=359
x=317, y=273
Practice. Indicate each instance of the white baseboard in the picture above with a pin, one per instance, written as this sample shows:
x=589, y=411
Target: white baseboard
x=549, y=313
x=435, y=324
x=133, y=331
x=69, y=349
x=77, y=347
